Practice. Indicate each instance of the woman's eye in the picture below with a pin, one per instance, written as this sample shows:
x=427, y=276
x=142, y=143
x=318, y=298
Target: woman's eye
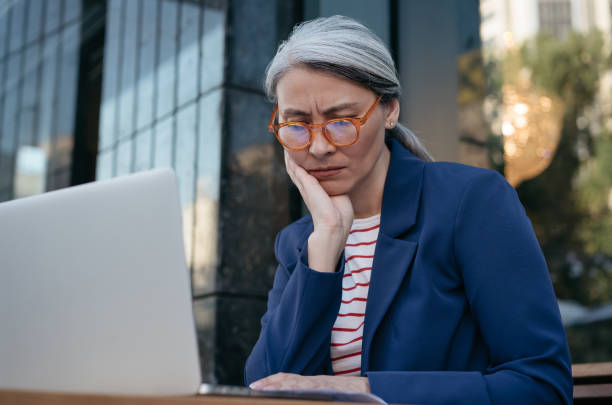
x=341, y=123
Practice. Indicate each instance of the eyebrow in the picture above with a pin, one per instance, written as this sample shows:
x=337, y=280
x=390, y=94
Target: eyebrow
x=329, y=111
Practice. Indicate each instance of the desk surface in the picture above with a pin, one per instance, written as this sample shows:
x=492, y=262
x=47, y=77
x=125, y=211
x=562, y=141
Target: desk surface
x=591, y=381
x=45, y=398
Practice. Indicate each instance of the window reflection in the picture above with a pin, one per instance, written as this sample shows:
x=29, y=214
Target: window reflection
x=46, y=97
x=72, y=10
x=34, y=21
x=38, y=90
x=124, y=158
x=128, y=70
x=164, y=147
x=109, y=84
x=212, y=44
x=10, y=107
x=143, y=147
x=3, y=32
x=189, y=53
x=104, y=165
x=53, y=14
x=167, y=53
x=146, y=64
x=17, y=15
x=186, y=151
x=30, y=171
x=174, y=57
x=70, y=40
x=207, y=191
x=184, y=166
x=29, y=96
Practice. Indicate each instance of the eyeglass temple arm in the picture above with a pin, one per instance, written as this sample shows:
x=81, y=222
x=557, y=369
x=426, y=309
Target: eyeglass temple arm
x=370, y=111
x=271, y=123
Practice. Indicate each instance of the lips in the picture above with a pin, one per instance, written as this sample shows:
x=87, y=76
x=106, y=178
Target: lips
x=325, y=172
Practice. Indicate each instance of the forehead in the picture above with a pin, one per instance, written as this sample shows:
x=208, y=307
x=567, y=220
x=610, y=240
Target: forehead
x=301, y=87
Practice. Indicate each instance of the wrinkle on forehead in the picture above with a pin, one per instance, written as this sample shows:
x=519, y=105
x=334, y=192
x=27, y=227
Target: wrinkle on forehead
x=314, y=93
x=350, y=106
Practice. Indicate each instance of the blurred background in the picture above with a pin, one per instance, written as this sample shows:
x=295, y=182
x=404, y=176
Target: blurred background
x=94, y=89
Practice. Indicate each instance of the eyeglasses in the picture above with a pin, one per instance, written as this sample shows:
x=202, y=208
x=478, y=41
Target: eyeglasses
x=338, y=131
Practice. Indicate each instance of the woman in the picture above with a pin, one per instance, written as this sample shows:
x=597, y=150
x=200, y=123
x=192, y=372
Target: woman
x=417, y=281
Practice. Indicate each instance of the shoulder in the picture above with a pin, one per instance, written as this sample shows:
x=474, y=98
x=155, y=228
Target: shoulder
x=482, y=198
x=460, y=174
x=291, y=240
x=457, y=180
x=452, y=191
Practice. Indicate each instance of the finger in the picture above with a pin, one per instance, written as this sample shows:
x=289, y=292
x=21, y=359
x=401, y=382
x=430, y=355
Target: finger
x=324, y=210
x=300, y=174
x=288, y=383
x=270, y=380
x=297, y=179
x=306, y=183
x=290, y=166
x=309, y=187
x=273, y=382
x=297, y=382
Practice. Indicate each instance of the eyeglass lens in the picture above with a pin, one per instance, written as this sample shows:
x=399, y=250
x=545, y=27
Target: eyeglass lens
x=341, y=132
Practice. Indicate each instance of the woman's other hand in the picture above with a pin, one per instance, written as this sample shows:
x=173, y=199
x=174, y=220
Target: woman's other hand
x=286, y=381
x=332, y=217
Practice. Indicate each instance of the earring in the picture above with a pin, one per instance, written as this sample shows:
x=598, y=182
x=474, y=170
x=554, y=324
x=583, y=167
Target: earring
x=391, y=124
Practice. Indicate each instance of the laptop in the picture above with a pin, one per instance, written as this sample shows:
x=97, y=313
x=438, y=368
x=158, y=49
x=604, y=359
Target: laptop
x=95, y=294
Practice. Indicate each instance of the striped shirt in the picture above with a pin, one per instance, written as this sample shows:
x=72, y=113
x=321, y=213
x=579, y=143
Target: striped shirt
x=347, y=332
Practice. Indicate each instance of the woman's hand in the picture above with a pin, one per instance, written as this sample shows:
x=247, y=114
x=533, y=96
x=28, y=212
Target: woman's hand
x=332, y=217
x=285, y=381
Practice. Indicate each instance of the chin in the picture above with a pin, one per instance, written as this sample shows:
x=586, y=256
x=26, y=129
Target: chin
x=333, y=188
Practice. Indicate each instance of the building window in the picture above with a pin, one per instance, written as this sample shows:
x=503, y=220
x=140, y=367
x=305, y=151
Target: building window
x=555, y=17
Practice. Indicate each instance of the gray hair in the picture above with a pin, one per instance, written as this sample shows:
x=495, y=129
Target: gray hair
x=343, y=47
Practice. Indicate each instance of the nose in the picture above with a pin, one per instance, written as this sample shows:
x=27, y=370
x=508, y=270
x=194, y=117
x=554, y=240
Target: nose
x=319, y=145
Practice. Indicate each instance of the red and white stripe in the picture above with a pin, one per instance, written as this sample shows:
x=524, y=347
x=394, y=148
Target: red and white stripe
x=347, y=332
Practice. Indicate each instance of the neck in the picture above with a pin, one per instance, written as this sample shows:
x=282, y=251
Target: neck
x=367, y=195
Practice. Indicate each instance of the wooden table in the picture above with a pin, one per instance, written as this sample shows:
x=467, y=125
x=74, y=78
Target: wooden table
x=47, y=398
x=592, y=385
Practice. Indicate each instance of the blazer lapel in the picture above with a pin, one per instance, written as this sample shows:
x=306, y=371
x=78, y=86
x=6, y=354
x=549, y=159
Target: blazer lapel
x=393, y=255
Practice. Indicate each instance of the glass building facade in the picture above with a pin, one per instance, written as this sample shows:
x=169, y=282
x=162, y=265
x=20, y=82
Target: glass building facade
x=161, y=106
x=95, y=89
x=39, y=62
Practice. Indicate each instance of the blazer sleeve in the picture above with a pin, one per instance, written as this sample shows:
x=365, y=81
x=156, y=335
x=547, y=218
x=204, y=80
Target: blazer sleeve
x=510, y=295
x=302, y=308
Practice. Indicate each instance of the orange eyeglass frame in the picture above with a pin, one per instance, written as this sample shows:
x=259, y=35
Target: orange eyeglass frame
x=357, y=123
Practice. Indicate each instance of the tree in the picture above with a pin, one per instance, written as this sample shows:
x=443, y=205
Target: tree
x=570, y=202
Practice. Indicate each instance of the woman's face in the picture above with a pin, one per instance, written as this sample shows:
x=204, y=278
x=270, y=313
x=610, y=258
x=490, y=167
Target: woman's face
x=313, y=96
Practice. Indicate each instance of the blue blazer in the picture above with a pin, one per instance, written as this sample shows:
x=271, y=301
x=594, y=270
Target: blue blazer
x=460, y=309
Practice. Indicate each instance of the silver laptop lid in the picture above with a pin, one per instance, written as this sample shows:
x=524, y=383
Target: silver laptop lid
x=94, y=290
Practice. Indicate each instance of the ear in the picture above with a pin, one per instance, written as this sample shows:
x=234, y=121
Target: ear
x=392, y=110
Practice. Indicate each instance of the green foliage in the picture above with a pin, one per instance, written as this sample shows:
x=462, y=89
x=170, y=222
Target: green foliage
x=569, y=68
x=568, y=203
x=595, y=195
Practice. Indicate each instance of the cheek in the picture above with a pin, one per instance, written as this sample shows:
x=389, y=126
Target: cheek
x=367, y=148
x=298, y=156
